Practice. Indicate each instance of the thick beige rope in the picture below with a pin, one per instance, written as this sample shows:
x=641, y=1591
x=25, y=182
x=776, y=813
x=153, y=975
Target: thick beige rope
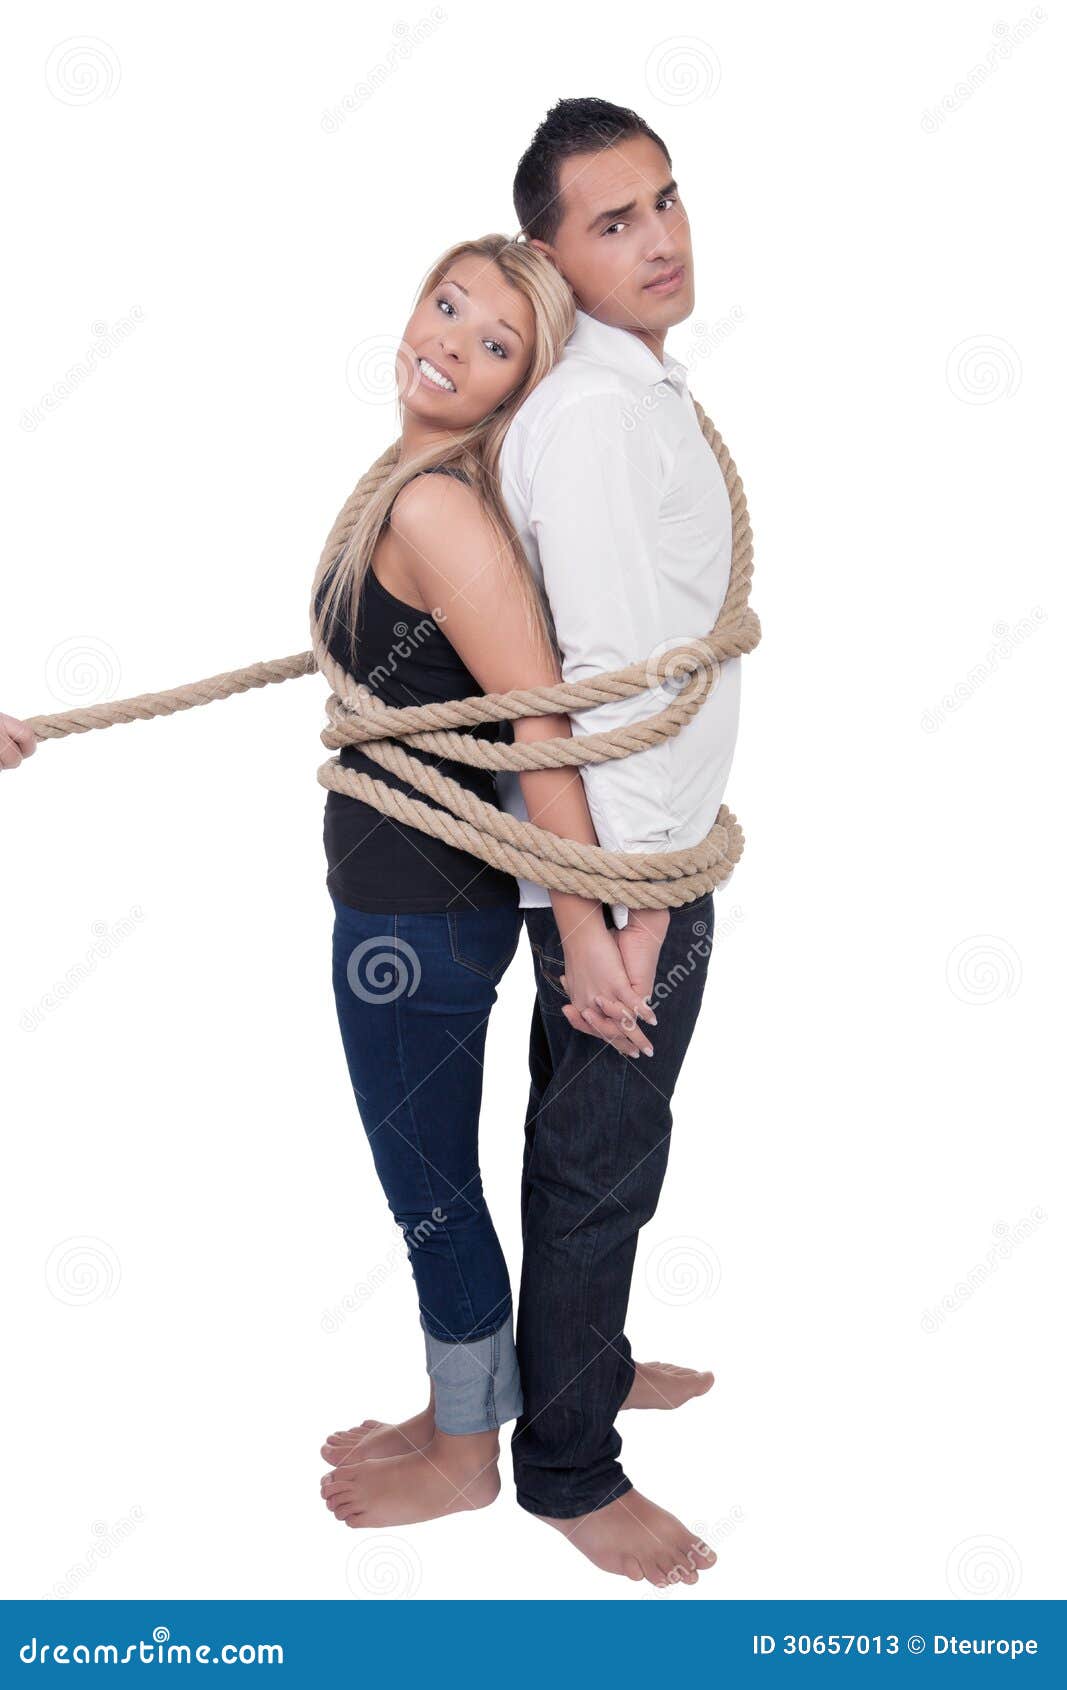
x=641, y=880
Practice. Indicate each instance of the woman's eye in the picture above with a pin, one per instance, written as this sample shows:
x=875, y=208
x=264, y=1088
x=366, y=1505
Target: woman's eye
x=495, y=347
x=447, y=302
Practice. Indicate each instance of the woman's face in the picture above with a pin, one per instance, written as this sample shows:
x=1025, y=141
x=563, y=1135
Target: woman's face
x=467, y=346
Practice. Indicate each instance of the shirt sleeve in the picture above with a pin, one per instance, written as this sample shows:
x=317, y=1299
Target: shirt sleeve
x=595, y=493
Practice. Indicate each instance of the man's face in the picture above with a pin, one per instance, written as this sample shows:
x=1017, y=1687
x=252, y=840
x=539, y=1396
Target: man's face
x=623, y=243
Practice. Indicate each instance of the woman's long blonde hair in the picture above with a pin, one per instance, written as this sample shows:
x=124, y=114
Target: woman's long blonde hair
x=474, y=450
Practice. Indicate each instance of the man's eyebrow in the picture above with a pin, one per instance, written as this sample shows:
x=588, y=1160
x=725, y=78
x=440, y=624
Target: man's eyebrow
x=504, y=324
x=618, y=211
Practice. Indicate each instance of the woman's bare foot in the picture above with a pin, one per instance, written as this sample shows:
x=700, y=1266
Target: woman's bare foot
x=449, y=1476
x=659, y=1384
x=633, y=1537
x=377, y=1439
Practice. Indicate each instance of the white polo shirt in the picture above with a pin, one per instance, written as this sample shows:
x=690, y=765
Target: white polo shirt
x=624, y=515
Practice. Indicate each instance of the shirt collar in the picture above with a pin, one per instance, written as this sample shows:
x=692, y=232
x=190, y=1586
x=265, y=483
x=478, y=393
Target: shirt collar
x=624, y=352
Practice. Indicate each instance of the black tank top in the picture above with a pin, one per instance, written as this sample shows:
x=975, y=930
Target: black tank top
x=374, y=862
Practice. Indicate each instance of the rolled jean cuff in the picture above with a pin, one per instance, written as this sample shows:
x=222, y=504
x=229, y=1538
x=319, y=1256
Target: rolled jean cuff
x=475, y=1385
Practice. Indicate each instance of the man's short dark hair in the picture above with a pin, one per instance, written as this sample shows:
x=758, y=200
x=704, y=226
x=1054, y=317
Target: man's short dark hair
x=571, y=127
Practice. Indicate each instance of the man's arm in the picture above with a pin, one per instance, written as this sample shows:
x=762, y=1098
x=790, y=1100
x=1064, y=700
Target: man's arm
x=595, y=512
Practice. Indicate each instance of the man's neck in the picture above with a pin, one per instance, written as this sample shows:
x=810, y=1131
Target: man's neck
x=654, y=342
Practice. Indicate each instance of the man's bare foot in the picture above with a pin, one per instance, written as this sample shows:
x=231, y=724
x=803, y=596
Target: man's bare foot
x=449, y=1476
x=377, y=1439
x=633, y=1537
x=659, y=1384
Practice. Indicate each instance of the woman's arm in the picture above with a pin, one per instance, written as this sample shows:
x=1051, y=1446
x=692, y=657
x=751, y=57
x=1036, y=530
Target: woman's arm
x=449, y=549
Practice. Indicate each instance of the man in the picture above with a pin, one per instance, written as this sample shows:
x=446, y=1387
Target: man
x=625, y=516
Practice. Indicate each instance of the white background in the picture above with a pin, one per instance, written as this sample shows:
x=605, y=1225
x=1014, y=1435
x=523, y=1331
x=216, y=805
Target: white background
x=867, y=1109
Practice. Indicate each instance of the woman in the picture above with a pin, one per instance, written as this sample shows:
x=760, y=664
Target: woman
x=432, y=598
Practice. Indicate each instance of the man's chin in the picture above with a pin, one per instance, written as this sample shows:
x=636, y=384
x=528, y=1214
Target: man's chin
x=660, y=315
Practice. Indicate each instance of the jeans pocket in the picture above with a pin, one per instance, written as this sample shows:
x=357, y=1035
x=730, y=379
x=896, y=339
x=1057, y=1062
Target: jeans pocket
x=550, y=968
x=484, y=940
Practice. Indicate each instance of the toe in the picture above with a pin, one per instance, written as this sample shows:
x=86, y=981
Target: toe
x=632, y=1568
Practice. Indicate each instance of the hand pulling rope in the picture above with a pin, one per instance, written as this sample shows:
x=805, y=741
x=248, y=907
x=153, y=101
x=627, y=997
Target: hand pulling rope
x=641, y=880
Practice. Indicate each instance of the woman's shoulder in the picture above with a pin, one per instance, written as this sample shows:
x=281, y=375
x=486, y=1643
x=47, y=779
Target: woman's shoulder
x=444, y=487
x=434, y=509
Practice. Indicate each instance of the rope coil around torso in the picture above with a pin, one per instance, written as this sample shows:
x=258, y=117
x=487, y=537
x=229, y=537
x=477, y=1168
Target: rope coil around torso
x=641, y=880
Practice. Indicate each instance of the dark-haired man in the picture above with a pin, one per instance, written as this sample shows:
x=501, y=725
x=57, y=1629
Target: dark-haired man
x=624, y=514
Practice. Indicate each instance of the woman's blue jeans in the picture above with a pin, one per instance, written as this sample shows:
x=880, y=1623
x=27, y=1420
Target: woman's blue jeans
x=414, y=993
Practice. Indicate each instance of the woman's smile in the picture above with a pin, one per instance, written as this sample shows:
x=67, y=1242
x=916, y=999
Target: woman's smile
x=434, y=377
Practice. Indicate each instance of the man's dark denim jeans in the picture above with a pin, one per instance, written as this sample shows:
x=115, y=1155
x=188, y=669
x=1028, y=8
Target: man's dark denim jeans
x=597, y=1135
